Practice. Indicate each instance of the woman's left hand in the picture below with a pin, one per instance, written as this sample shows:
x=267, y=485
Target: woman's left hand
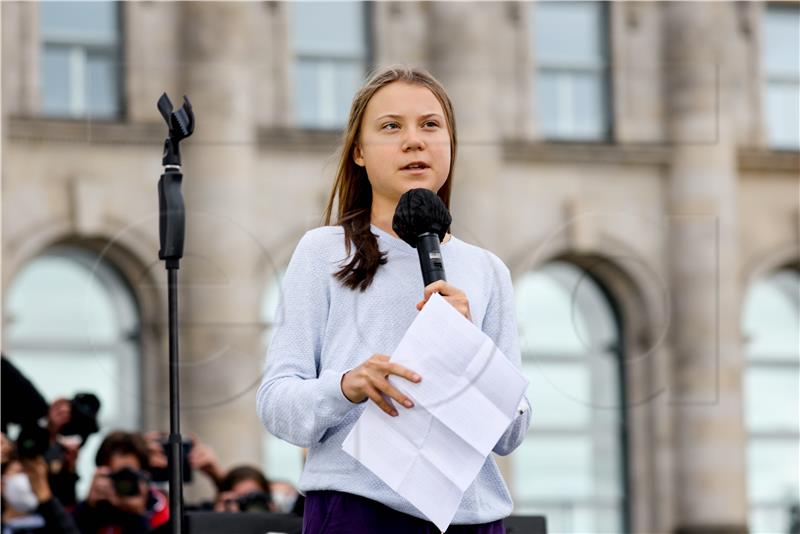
x=453, y=295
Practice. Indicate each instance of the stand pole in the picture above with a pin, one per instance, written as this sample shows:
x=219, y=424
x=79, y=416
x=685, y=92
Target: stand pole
x=175, y=448
x=171, y=228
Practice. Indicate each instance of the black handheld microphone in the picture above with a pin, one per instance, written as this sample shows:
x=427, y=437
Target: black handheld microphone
x=421, y=219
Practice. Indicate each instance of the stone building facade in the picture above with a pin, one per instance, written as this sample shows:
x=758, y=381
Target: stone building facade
x=675, y=210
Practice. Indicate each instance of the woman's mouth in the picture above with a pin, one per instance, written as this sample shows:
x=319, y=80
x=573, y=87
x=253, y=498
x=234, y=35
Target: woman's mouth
x=416, y=167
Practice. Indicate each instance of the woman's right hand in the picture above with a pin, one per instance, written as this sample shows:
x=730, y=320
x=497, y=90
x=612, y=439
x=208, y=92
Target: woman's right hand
x=369, y=380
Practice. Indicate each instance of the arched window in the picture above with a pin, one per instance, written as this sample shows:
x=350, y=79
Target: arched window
x=571, y=467
x=73, y=325
x=771, y=324
x=281, y=460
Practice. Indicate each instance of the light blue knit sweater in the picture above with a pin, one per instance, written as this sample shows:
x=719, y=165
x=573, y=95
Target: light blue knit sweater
x=324, y=329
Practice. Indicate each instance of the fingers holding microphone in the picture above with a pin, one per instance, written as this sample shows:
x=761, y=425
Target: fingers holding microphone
x=455, y=296
x=370, y=381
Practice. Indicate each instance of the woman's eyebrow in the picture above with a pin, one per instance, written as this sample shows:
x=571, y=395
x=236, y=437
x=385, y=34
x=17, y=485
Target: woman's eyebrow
x=396, y=116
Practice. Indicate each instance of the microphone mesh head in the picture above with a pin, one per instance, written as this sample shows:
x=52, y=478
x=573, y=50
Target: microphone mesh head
x=420, y=211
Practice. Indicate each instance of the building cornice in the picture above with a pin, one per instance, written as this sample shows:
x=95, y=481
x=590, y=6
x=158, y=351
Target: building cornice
x=84, y=131
x=761, y=160
x=592, y=153
x=298, y=139
x=748, y=159
x=304, y=140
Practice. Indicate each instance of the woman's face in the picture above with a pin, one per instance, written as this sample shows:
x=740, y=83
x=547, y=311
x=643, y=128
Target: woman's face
x=404, y=142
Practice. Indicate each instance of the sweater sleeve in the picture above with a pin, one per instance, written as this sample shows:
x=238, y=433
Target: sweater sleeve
x=297, y=401
x=500, y=324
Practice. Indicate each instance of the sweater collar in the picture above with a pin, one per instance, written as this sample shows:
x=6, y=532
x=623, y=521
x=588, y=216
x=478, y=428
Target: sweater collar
x=398, y=244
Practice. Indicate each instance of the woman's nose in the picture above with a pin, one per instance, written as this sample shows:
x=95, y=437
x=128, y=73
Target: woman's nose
x=413, y=141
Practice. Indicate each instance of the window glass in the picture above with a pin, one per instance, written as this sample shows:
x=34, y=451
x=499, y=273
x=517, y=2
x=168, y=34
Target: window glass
x=771, y=325
x=569, y=41
x=80, y=59
x=569, y=339
x=330, y=51
x=73, y=327
x=781, y=65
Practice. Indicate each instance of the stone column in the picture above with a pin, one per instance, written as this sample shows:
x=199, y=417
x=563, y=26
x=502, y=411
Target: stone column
x=463, y=56
x=706, y=389
x=20, y=58
x=151, y=58
x=401, y=33
x=220, y=283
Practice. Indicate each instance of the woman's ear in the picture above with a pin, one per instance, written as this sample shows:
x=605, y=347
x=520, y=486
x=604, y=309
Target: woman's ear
x=358, y=156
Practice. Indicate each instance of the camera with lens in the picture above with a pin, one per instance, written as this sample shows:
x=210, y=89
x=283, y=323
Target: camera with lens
x=161, y=474
x=82, y=423
x=126, y=481
x=33, y=441
x=256, y=501
x=83, y=416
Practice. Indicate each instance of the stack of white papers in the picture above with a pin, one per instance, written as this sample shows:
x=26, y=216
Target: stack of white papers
x=468, y=396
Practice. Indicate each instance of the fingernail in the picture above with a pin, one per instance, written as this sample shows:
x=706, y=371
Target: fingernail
x=408, y=404
x=416, y=378
x=394, y=413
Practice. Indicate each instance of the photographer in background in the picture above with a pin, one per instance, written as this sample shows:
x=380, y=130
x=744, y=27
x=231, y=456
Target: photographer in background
x=121, y=499
x=197, y=456
x=28, y=505
x=70, y=423
x=285, y=498
x=244, y=489
x=55, y=432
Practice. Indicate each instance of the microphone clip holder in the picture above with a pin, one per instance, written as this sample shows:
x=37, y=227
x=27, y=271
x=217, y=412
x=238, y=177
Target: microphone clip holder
x=181, y=125
x=172, y=217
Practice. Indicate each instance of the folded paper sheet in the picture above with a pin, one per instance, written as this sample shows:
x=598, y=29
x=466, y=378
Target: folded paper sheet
x=468, y=396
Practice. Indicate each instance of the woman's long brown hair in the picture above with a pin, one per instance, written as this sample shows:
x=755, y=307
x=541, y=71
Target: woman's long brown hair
x=352, y=189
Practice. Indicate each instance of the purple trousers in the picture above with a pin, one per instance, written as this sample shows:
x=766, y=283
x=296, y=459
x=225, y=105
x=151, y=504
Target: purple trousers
x=335, y=512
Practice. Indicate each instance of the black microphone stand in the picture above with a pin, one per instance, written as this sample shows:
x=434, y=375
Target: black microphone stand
x=171, y=230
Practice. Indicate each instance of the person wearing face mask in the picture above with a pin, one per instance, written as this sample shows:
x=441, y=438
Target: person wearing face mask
x=286, y=498
x=29, y=507
x=57, y=430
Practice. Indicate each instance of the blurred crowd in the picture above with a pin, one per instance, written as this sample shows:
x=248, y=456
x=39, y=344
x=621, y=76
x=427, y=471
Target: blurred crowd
x=128, y=491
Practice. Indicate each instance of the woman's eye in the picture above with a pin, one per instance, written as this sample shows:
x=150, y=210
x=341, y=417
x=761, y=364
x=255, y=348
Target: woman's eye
x=431, y=124
x=390, y=126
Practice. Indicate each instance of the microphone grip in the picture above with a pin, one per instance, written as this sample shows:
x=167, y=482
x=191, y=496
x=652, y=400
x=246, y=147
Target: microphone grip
x=430, y=258
x=172, y=217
